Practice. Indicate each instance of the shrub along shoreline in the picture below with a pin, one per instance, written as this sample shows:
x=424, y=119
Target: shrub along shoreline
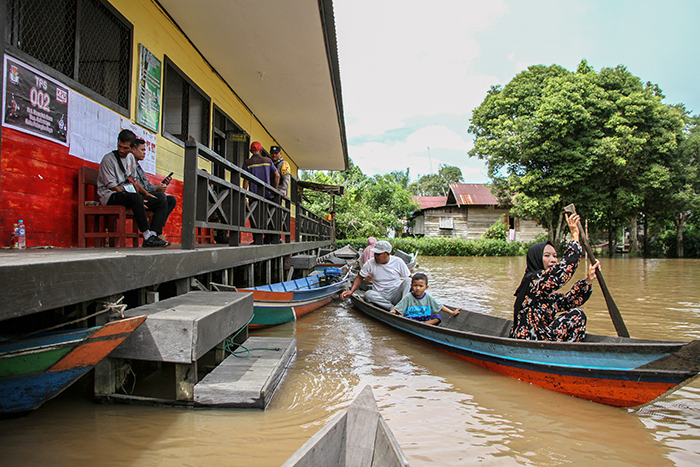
x=448, y=246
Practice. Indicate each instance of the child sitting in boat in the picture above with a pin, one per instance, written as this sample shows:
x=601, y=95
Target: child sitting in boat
x=419, y=304
x=537, y=304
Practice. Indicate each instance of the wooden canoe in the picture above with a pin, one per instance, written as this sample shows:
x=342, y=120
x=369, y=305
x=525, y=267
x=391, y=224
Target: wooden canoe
x=36, y=369
x=410, y=260
x=284, y=302
x=298, y=290
x=357, y=437
x=623, y=372
x=274, y=313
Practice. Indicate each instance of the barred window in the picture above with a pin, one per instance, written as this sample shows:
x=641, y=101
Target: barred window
x=85, y=40
x=229, y=140
x=185, y=107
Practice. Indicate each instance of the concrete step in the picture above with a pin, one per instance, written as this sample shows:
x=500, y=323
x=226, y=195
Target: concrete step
x=248, y=382
x=183, y=328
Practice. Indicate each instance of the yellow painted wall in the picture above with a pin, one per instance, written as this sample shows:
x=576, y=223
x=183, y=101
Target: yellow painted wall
x=161, y=37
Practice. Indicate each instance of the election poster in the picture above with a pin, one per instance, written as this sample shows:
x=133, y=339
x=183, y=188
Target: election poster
x=34, y=103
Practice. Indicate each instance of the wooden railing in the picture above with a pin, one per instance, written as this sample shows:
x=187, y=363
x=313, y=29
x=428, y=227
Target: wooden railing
x=218, y=201
x=311, y=227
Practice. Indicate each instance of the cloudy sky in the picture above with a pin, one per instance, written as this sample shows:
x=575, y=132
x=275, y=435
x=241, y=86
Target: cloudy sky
x=412, y=72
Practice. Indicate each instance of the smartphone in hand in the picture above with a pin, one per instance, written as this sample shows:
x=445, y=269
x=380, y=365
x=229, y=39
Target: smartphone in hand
x=165, y=180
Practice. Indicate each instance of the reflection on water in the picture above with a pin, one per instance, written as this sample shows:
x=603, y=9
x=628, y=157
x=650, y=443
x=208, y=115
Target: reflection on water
x=443, y=411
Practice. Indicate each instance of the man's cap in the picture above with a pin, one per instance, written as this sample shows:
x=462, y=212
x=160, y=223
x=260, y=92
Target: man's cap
x=255, y=147
x=275, y=149
x=382, y=247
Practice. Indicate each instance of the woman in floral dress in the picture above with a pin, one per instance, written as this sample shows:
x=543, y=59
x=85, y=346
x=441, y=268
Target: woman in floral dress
x=542, y=314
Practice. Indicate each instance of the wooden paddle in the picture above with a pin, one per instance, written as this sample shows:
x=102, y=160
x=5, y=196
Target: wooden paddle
x=612, y=308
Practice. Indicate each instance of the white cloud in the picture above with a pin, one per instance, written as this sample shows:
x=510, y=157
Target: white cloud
x=446, y=147
x=399, y=60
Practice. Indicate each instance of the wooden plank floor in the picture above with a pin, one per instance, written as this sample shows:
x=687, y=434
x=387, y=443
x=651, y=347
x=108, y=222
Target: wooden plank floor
x=35, y=280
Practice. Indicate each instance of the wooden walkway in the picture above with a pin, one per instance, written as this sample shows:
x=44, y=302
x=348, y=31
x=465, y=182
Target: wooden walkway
x=36, y=280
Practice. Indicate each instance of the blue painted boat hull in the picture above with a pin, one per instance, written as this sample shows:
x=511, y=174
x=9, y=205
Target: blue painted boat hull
x=29, y=392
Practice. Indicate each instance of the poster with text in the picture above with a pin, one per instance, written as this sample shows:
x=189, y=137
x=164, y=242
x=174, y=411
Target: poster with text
x=148, y=108
x=34, y=103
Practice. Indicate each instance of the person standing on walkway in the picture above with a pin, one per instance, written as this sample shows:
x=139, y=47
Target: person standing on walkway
x=285, y=173
x=261, y=167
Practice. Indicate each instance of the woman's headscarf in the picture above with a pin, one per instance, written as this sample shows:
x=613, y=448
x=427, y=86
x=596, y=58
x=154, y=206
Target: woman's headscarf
x=368, y=254
x=534, y=266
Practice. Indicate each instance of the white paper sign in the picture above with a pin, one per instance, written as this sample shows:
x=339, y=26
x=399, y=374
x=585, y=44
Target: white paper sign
x=94, y=130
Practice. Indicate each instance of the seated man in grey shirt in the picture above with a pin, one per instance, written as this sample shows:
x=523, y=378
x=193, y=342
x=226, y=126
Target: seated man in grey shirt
x=116, y=185
x=138, y=149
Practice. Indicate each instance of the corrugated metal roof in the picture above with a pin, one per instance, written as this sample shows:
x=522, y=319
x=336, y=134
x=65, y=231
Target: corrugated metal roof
x=430, y=201
x=472, y=194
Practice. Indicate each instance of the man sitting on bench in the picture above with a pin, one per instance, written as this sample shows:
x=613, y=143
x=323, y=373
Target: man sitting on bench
x=116, y=185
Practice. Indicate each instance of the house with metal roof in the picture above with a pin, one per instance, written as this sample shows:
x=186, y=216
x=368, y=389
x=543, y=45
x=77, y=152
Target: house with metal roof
x=467, y=212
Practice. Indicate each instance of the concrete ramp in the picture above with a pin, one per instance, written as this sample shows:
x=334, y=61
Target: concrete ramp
x=251, y=381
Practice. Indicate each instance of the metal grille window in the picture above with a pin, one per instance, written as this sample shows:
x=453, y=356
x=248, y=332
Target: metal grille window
x=229, y=140
x=84, y=40
x=185, y=108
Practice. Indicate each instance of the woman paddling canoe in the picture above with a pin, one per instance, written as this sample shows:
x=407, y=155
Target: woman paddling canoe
x=540, y=313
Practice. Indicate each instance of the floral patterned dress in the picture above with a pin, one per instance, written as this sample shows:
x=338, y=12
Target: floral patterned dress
x=550, y=316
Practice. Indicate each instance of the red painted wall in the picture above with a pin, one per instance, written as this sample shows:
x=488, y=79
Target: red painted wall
x=39, y=184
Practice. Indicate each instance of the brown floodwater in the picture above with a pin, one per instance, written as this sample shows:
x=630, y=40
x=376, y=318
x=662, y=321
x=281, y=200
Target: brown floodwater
x=442, y=410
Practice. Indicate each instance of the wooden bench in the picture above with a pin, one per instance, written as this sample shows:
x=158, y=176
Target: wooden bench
x=101, y=223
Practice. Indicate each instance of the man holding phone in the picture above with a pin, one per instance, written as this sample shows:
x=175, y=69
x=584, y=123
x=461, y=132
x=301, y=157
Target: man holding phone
x=138, y=149
x=117, y=185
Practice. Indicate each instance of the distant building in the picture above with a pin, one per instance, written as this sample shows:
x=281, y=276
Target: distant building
x=467, y=212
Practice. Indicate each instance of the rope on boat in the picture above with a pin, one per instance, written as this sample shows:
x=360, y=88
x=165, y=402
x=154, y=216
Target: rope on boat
x=242, y=351
x=117, y=307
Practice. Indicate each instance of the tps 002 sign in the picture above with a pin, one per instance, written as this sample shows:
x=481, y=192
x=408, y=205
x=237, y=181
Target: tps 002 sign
x=34, y=103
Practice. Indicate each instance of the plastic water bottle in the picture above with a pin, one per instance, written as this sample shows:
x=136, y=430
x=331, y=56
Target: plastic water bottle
x=21, y=235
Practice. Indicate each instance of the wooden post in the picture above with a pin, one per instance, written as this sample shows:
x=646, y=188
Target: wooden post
x=182, y=286
x=220, y=353
x=105, y=376
x=268, y=271
x=189, y=196
x=251, y=275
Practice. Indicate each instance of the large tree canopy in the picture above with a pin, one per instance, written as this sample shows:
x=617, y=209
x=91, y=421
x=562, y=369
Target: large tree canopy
x=553, y=137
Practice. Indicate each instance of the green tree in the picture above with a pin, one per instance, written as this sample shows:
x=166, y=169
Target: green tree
x=371, y=205
x=553, y=137
x=437, y=184
x=673, y=190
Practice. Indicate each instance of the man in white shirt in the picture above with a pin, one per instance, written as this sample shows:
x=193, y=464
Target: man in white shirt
x=390, y=278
